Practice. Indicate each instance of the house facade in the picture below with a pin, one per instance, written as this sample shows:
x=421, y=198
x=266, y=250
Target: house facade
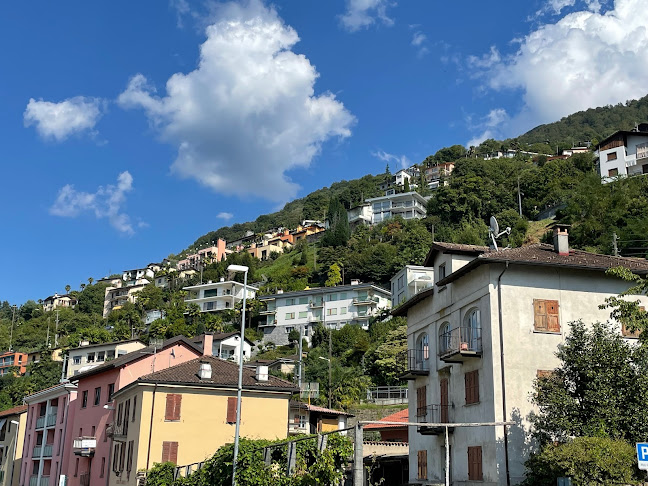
x=311, y=419
x=46, y=449
x=10, y=359
x=332, y=306
x=408, y=205
x=12, y=432
x=624, y=153
x=87, y=356
x=409, y=281
x=215, y=253
x=479, y=338
x=227, y=346
x=185, y=413
x=217, y=296
x=117, y=296
x=58, y=301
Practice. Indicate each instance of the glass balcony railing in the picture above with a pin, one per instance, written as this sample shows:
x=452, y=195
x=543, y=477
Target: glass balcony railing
x=47, y=450
x=40, y=422
x=51, y=419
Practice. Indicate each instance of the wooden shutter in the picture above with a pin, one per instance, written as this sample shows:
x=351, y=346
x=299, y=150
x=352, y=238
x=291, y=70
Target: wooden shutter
x=422, y=465
x=231, y=410
x=539, y=315
x=166, y=447
x=173, y=452
x=129, y=456
x=444, y=400
x=553, y=323
x=472, y=387
x=475, y=463
x=421, y=401
x=177, y=406
x=173, y=405
x=122, y=454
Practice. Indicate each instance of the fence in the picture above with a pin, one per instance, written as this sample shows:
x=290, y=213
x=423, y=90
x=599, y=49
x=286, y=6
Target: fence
x=387, y=395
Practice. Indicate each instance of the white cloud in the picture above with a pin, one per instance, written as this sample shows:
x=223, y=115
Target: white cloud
x=402, y=160
x=106, y=202
x=419, y=39
x=485, y=61
x=248, y=113
x=490, y=126
x=555, y=7
x=363, y=13
x=585, y=59
x=60, y=120
x=225, y=216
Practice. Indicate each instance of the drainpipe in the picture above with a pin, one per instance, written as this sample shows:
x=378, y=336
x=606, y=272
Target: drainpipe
x=503, y=376
x=148, y=454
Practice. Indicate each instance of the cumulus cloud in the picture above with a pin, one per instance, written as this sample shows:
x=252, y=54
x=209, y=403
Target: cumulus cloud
x=583, y=60
x=486, y=60
x=58, y=121
x=225, y=216
x=557, y=6
x=401, y=160
x=248, y=113
x=360, y=14
x=105, y=202
x=419, y=39
x=490, y=126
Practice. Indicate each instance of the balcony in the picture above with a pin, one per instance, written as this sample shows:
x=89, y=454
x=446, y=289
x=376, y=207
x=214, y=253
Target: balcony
x=47, y=450
x=315, y=304
x=365, y=300
x=436, y=414
x=418, y=364
x=51, y=419
x=116, y=432
x=37, y=451
x=35, y=481
x=460, y=344
x=40, y=422
x=267, y=312
x=84, y=446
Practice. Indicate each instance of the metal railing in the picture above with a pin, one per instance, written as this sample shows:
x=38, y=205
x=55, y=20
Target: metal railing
x=37, y=451
x=47, y=450
x=36, y=481
x=365, y=300
x=418, y=360
x=84, y=479
x=460, y=339
x=40, y=422
x=436, y=413
x=392, y=394
x=51, y=419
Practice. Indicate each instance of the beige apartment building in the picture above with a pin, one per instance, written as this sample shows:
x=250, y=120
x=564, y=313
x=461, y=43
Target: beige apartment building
x=12, y=431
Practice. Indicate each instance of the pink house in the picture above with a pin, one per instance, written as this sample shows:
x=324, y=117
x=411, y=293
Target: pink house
x=46, y=448
x=90, y=438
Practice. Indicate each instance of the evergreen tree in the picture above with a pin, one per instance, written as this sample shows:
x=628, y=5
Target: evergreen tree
x=338, y=233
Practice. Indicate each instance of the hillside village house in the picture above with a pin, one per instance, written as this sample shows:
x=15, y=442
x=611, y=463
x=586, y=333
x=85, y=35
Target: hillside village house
x=227, y=345
x=94, y=413
x=217, y=296
x=333, y=306
x=478, y=339
x=12, y=431
x=123, y=292
x=185, y=413
x=57, y=301
x=409, y=281
x=11, y=359
x=46, y=444
x=214, y=253
x=624, y=153
x=87, y=355
x=311, y=419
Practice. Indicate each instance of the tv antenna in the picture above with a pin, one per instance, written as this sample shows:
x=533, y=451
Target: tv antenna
x=494, y=231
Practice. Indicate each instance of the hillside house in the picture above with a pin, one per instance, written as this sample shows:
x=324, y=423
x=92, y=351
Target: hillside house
x=217, y=296
x=624, y=153
x=87, y=355
x=13, y=423
x=57, y=301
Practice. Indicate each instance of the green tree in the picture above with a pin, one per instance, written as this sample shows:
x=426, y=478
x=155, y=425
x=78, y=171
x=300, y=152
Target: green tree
x=334, y=276
x=386, y=360
x=338, y=232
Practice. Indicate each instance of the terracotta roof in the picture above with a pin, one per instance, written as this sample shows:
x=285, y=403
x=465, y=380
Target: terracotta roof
x=315, y=408
x=135, y=355
x=224, y=374
x=111, y=343
x=14, y=411
x=401, y=416
x=456, y=248
x=545, y=255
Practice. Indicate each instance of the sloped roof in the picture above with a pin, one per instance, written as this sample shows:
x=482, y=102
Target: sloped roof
x=315, y=408
x=453, y=248
x=400, y=416
x=14, y=411
x=224, y=374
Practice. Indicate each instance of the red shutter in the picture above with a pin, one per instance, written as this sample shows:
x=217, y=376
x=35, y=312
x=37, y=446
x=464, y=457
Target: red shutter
x=472, y=387
x=166, y=447
x=168, y=413
x=173, y=452
x=176, y=407
x=539, y=315
x=231, y=410
x=553, y=323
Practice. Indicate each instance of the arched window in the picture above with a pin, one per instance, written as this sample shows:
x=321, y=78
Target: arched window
x=423, y=349
x=471, y=331
x=444, y=337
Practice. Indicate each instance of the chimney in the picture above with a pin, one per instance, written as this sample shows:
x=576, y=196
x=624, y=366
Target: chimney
x=355, y=281
x=205, y=371
x=208, y=344
x=262, y=373
x=222, y=279
x=561, y=239
x=280, y=291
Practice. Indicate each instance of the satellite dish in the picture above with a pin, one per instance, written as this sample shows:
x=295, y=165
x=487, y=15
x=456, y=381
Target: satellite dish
x=494, y=225
x=494, y=231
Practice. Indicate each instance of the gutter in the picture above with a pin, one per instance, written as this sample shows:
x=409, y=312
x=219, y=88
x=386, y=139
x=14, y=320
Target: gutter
x=503, y=371
x=148, y=453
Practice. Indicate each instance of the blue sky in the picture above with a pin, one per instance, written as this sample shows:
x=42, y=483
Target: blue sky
x=131, y=128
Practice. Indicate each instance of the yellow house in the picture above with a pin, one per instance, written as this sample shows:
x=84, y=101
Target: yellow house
x=185, y=413
x=12, y=432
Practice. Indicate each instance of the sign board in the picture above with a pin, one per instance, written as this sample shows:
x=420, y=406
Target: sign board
x=642, y=455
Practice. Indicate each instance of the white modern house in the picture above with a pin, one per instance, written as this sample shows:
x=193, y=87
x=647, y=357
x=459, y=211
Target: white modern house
x=478, y=339
x=88, y=356
x=217, y=296
x=408, y=205
x=124, y=291
x=147, y=272
x=624, y=153
x=409, y=281
x=58, y=301
x=332, y=306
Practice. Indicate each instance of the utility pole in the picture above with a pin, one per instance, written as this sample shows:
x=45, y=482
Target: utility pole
x=48, y=330
x=330, y=333
x=614, y=244
x=13, y=320
x=519, y=196
x=56, y=333
x=299, y=376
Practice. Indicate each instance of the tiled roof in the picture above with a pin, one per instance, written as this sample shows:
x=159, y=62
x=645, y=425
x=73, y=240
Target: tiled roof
x=545, y=255
x=224, y=373
x=457, y=248
x=14, y=411
x=401, y=416
x=135, y=355
x=315, y=408
x=112, y=343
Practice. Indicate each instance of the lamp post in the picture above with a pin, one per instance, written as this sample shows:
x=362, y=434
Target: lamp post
x=329, y=390
x=244, y=270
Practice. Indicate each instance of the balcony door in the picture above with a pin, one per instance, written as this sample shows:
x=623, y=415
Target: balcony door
x=444, y=400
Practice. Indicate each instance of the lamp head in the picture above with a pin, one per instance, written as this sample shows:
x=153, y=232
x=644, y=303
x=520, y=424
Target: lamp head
x=237, y=269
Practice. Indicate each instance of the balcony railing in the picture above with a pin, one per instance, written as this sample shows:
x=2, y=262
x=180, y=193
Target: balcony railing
x=84, y=479
x=387, y=394
x=47, y=450
x=35, y=481
x=365, y=300
x=299, y=428
x=436, y=414
x=460, y=344
x=315, y=303
x=51, y=419
x=418, y=363
x=36, y=453
x=84, y=446
x=40, y=422
x=116, y=432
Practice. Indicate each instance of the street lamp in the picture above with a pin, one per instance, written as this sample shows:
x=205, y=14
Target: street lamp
x=329, y=388
x=244, y=270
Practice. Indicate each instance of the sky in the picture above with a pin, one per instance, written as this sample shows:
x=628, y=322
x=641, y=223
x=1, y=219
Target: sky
x=129, y=129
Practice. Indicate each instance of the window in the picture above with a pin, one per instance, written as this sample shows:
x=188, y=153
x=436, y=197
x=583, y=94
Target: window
x=303, y=300
x=333, y=297
x=105, y=437
x=290, y=301
x=421, y=402
x=471, y=332
x=442, y=272
x=343, y=296
x=545, y=316
x=129, y=459
x=444, y=338
x=472, y=387
x=231, y=410
x=90, y=358
x=110, y=354
x=84, y=399
x=612, y=156
x=115, y=462
x=76, y=360
x=475, y=463
x=210, y=293
x=120, y=410
x=101, y=356
x=97, y=396
x=76, y=467
x=303, y=314
x=290, y=315
x=625, y=332
x=343, y=310
x=134, y=407
x=111, y=391
x=173, y=403
x=422, y=465
x=422, y=352
x=331, y=312
x=170, y=452
x=613, y=172
x=289, y=329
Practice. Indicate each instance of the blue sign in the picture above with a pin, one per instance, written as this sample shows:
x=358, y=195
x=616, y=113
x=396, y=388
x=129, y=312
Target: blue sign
x=642, y=455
